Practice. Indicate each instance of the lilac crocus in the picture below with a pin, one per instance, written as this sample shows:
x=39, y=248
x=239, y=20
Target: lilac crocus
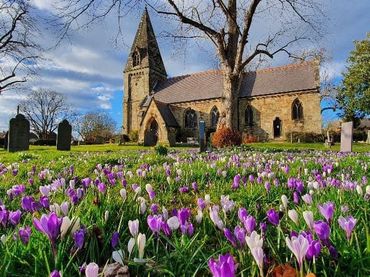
x=298, y=246
x=155, y=223
x=313, y=250
x=236, y=182
x=55, y=273
x=133, y=226
x=201, y=203
x=273, y=217
x=239, y=233
x=184, y=189
x=24, y=234
x=242, y=214
x=115, y=239
x=249, y=224
x=327, y=210
x=322, y=229
x=347, y=224
x=183, y=215
x=230, y=237
x=223, y=267
x=49, y=225
x=194, y=185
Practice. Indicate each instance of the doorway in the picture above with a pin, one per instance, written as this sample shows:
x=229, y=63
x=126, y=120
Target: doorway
x=277, y=127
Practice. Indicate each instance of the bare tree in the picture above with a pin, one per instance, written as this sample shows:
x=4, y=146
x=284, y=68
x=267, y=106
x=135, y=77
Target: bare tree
x=95, y=127
x=18, y=50
x=44, y=109
x=228, y=25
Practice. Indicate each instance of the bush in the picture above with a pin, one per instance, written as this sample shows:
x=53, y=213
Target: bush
x=249, y=139
x=224, y=137
x=308, y=137
x=161, y=150
x=133, y=136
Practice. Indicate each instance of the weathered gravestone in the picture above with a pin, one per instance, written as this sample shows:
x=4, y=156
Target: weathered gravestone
x=64, y=136
x=346, y=137
x=19, y=134
x=202, y=135
x=368, y=137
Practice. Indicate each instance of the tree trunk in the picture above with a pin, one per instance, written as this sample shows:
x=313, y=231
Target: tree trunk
x=230, y=101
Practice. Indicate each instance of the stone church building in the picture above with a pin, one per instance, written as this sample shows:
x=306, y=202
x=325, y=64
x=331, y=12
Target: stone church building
x=272, y=102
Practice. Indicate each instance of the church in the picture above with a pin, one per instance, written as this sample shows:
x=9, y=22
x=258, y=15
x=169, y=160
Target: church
x=272, y=102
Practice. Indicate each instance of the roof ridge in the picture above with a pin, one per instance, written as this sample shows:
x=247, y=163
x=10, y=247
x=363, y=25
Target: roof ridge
x=195, y=73
x=286, y=66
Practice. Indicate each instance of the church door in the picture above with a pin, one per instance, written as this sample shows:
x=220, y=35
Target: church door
x=277, y=127
x=151, y=134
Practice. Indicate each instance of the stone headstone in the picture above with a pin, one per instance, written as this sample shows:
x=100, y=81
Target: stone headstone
x=368, y=137
x=19, y=134
x=64, y=136
x=346, y=137
x=202, y=135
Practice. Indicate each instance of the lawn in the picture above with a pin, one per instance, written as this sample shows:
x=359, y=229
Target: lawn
x=252, y=211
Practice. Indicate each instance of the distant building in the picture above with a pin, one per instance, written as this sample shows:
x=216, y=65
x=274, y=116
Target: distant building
x=272, y=102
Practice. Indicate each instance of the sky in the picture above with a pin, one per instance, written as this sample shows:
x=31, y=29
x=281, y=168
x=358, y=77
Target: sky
x=88, y=66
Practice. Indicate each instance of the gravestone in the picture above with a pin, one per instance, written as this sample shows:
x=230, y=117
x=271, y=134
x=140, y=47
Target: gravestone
x=368, y=137
x=19, y=134
x=346, y=137
x=202, y=136
x=64, y=136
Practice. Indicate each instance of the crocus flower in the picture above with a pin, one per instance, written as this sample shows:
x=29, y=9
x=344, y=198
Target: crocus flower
x=173, y=222
x=273, y=217
x=199, y=216
x=255, y=243
x=24, y=234
x=327, y=210
x=133, y=226
x=201, y=203
x=242, y=214
x=284, y=200
x=236, y=182
x=92, y=270
x=141, y=241
x=347, y=224
x=249, y=224
x=55, y=273
x=150, y=191
x=227, y=204
x=14, y=217
x=117, y=256
x=298, y=245
x=293, y=215
x=64, y=207
x=79, y=238
x=308, y=218
x=223, y=267
x=115, y=239
x=240, y=233
x=313, y=249
x=213, y=214
x=50, y=225
x=123, y=194
x=230, y=237
x=322, y=230
x=154, y=223
x=307, y=199
x=69, y=226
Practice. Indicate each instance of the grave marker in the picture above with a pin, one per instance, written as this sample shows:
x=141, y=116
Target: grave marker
x=202, y=136
x=19, y=134
x=64, y=136
x=346, y=137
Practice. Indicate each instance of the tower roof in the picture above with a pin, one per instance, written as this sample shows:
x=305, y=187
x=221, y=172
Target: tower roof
x=146, y=46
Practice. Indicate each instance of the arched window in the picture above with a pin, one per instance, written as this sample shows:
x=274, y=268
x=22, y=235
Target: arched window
x=136, y=58
x=190, y=119
x=249, y=116
x=297, y=110
x=214, y=117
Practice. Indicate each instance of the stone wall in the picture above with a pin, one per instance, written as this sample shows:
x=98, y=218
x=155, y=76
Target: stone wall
x=266, y=109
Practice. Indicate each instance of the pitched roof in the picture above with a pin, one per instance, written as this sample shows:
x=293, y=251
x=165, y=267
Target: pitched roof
x=208, y=84
x=166, y=114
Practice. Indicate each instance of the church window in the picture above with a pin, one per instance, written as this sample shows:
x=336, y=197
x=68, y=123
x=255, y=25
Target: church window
x=214, y=117
x=249, y=116
x=136, y=58
x=190, y=119
x=297, y=110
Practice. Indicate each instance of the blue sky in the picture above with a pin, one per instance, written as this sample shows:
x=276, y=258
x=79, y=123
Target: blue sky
x=88, y=67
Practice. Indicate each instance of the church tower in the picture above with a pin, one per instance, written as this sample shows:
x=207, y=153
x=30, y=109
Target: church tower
x=143, y=70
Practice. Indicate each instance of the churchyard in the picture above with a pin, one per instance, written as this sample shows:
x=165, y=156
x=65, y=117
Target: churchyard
x=260, y=210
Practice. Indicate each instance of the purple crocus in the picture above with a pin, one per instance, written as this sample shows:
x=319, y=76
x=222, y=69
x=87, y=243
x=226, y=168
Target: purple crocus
x=154, y=223
x=79, y=238
x=183, y=215
x=184, y=189
x=223, y=267
x=249, y=224
x=115, y=239
x=313, y=250
x=347, y=224
x=201, y=203
x=24, y=234
x=327, y=210
x=236, y=182
x=49, y=225
x=55, y=273
x=240, y=233
x=230, y=237
x=273, y=217
x=322, y=229
x=194, y=185
x=14, y=217
x=242, y=214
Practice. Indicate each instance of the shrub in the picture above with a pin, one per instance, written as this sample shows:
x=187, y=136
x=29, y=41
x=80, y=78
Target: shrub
x=224, y=137
x=248, y=138
x=308, y=137
x=161, y=150
x=134, y=136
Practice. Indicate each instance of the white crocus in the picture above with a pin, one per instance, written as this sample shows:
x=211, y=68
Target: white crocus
x=293, y=215
x=130, y=245
x=299, y=246
x=199, y=216
x=254, y=240
x=123, y=194
x=64, y=207
x=117, y=256
x=173, y=223
x=308, y=218
x=284, y=200
x=133, y=226
x=106, y=216
x=92, y=270
x=69, y=226
x=141, y=241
